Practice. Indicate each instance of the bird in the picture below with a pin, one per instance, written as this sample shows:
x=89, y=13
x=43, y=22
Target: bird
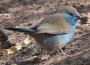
x=54, y=31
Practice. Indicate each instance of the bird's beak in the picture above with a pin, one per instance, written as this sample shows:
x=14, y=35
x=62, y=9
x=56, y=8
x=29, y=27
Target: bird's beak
x=79, y=16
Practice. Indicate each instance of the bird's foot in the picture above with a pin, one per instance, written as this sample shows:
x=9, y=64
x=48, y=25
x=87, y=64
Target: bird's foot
x=62, y=52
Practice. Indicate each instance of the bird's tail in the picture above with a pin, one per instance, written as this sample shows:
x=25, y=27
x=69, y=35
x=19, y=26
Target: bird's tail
x=27, y=30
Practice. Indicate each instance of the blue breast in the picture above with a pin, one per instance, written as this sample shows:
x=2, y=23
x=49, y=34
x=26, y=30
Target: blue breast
x=73, y=22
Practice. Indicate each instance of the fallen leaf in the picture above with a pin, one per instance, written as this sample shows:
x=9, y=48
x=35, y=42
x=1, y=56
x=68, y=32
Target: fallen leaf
x=11, y=51
x=28, y=40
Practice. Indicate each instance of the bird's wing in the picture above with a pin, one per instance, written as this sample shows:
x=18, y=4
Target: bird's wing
x=54, y=24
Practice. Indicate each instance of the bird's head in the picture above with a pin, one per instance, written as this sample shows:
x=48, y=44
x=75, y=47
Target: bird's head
x=71, y=14
x=70, y=10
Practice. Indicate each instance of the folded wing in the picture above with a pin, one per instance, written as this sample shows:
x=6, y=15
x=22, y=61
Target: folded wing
x=54, y=24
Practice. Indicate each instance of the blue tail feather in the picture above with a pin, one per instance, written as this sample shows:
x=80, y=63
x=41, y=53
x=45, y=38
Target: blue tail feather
x=29, y=30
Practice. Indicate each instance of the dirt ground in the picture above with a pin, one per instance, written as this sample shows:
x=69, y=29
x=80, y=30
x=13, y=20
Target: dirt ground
x=27, y=13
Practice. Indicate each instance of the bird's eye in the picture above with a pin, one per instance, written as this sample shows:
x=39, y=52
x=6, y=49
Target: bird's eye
x=71, y=14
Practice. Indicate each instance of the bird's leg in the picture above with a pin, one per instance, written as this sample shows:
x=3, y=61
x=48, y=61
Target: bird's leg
x=62, y=51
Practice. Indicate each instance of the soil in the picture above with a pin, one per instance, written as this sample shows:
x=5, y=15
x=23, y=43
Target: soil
x=27, y=13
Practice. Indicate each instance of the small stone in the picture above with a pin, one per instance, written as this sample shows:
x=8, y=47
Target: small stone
x=45, y=57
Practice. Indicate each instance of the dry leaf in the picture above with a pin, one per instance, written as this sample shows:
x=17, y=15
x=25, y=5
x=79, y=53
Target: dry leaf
x=11, y=51
x=18, y=47
x=28, y=40
x=14, y=49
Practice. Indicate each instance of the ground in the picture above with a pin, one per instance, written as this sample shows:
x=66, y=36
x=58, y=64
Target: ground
x=27, y=13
